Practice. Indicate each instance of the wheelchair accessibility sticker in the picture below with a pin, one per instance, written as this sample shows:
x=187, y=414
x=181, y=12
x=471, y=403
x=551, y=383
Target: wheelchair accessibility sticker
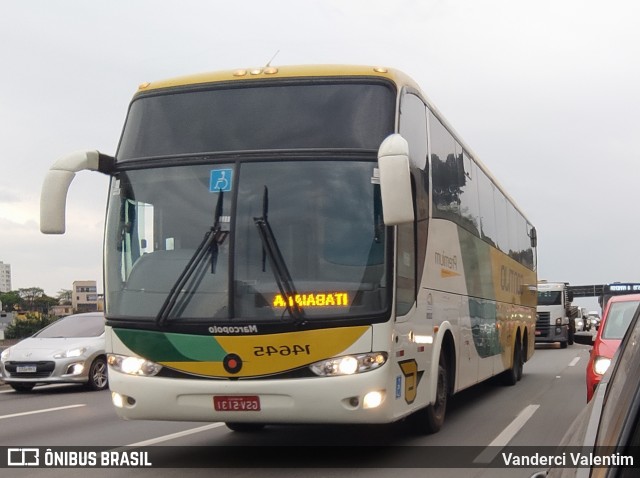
x=221, y=180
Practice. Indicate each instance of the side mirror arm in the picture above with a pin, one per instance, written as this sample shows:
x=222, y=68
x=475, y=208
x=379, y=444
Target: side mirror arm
x=53, y=196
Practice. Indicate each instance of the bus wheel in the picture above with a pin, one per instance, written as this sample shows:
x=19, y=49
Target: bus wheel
x=430, y=419
x=512, y=375
x=244, y=427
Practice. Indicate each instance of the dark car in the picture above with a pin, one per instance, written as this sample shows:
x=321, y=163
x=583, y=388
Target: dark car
x=609, y=426
x=70, y=350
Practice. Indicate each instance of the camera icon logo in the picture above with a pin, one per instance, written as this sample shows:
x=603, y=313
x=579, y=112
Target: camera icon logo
x=23, y=457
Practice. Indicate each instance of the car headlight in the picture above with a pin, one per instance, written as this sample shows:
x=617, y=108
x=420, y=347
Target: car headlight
x=349, y=364
x=133, y=365
x=4, y=356
x=601, y=364
x=71, y=353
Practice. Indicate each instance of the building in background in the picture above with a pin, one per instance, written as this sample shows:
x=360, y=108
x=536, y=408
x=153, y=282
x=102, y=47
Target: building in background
x=61, y=310
x=85, y=296
x=5, y=277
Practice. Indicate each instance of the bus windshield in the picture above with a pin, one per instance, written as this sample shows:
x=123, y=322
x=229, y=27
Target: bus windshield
x=266, y=116
x=325, y=236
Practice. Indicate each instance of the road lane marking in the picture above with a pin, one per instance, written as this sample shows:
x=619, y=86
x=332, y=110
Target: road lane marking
x=172, y=436
x=574, y=361
x=44, y=410
x=490, y=452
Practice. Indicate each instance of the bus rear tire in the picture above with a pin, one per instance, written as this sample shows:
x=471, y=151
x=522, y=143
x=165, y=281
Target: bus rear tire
x=244, y=427
x=514, y=374
x=430, y=419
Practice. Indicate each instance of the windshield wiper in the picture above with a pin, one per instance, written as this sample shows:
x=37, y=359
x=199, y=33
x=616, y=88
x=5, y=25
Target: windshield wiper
x=278, y=265
x=213, y=238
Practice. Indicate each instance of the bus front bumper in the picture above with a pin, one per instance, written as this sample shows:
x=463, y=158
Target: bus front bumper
x=343, y=399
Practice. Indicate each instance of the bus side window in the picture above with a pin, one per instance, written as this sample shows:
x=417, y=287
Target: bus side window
x=413, y=128
x=444, y=171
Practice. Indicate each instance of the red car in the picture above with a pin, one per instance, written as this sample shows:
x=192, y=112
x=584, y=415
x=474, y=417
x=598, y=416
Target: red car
x=615, y=321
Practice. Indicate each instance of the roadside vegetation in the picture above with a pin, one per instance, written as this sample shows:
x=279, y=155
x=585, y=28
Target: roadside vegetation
x=30, y=308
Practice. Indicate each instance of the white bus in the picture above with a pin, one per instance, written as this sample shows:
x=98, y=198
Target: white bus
x=306, y=244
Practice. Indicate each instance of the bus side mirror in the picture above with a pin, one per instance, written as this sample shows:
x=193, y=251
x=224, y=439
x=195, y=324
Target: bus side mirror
x=53, y=196
x=534, y=237
x=395, y=181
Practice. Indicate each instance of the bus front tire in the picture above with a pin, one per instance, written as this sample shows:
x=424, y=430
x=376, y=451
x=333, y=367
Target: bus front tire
x=244, y=427
x=430, y=419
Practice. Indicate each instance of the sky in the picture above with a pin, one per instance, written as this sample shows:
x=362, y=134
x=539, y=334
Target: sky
x=545, y=92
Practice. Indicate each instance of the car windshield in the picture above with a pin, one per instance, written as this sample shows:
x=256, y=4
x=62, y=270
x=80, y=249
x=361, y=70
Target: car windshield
x=618, y=319
x=74, y=326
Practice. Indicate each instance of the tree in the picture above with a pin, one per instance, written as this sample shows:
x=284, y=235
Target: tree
x=65, y=296
x=10, y=300
x=35, y=300
x=29, y=297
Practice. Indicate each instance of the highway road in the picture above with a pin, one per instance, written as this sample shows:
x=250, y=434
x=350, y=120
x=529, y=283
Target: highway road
x=536, y=412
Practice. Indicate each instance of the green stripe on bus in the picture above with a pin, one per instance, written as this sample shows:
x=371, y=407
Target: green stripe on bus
x=167, y=347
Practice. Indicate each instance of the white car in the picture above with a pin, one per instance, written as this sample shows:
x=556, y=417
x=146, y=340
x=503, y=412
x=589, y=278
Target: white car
x=70, y=350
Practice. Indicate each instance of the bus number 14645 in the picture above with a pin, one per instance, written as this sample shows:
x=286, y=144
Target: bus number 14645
x=281, y=350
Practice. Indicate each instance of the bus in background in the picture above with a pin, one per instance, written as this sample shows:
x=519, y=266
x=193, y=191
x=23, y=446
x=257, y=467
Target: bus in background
x=616, y=289
x=305, y=244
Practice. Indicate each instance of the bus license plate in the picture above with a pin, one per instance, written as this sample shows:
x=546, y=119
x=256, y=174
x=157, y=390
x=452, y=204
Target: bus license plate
x=236, y=403
x=26, y=369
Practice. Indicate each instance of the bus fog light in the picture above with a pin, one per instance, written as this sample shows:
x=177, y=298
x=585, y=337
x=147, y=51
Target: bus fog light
x=122, y=401
x=117, y=399
x=372, y=400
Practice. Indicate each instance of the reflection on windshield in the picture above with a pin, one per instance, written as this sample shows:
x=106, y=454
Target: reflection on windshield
x=323, y=217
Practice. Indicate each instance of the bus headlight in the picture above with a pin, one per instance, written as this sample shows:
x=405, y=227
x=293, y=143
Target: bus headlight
x=133, y=365
x=601, y=364
x=349, y=364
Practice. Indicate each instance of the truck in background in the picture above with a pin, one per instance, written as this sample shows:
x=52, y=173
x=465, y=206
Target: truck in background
x=555, y=317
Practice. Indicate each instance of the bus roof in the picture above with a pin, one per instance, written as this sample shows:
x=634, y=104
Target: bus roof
x=272, y=72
